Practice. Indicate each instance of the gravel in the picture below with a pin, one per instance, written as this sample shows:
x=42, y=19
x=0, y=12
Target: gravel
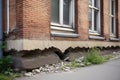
x=61, y=67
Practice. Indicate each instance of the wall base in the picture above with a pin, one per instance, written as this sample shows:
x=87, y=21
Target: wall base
x=25, y=44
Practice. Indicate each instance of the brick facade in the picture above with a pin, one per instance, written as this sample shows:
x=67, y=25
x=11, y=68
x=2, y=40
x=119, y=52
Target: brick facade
x=106, y=28
x=119, y=18
x=31, y=20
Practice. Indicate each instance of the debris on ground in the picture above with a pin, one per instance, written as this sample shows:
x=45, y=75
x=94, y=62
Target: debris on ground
x=63, y=66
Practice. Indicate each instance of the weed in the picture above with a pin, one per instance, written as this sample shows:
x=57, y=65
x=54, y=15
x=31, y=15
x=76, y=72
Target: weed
x=3, y=45
x=74, y=64
x=93, y=57
x=5, y=65
x=108, y=57
x=6, y=77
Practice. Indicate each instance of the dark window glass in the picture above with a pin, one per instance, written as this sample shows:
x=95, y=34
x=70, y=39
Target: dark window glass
x=96, y=3
x=55, y=11
x=112, y=24
x=95, y=19
x=90, y=18
x=112, y=7
x=66, y=11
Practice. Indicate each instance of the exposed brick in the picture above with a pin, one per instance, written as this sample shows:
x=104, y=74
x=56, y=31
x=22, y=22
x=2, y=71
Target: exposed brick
x=31, y=19
x=119, y=18
x=106, y=25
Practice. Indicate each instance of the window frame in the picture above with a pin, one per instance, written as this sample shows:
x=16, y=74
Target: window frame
x=8, y=16
x=61, y=21
x=98, y=27
x=114, y=33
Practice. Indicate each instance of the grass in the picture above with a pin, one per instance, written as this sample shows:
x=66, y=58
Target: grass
x=108, y=57
x=6, y=77
x=93, y=57
x=73, y=64
x=11, y=76
x=6, y=72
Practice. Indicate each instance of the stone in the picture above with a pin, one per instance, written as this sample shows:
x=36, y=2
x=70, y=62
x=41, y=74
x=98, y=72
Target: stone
x=26, y=62
x=79, y=60
x=82, y=64
x=37, y=70
x=67, y=59
x=114, y=52
x=56, y=71
x=28, y=74
x=40, y=68
x=72, y=55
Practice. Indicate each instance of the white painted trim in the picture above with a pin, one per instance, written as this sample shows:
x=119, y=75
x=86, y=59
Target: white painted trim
x=97, y=37
x=98, y=31
x=114, y=39
x=112, y=34
x=60, y=25
x=72, y=18
x=64, y=34
x=99, y=18
x=8, y=16
x=62, y=29
x=61, y=11
x=94, y=33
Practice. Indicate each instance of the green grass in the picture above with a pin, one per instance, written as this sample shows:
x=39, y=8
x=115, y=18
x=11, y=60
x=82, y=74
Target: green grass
x=6, y=72
x=108, y=57
x=6, y=77
x=93, y=57
x=73, y=64
x=11, y=76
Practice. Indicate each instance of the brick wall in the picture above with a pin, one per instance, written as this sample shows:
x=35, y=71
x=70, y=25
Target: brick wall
x=12, y=15
x=36, y=19
x=119, y=18
x=83, y=21
x=33, y=19
x=106, y=24
x=33, y=31
x=5, y=16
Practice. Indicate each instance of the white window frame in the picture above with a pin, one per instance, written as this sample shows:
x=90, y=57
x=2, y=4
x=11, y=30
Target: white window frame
x=8, y=16
x=113, y=34
x=71, y=18
x=98, y=31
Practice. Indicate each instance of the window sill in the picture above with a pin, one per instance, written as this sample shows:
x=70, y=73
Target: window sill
x=114, y=39
x=94, y=33
x=96, y=37
x=62, y=29
x=56, y=34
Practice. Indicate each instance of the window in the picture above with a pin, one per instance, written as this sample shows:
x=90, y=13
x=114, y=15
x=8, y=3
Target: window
x=112, y=18
x=94, y=17
x=62, y=16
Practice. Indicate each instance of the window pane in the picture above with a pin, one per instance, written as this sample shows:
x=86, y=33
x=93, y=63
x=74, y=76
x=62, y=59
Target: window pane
x=55, y=11
x=90, y=18
x=66, y=11
x=90, y=2
x=112, y=25
x=95, y=19
x=112, y=7
x=96, y=3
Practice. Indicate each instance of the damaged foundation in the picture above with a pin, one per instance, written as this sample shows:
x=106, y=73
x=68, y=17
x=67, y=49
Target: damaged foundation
x=31, y=59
